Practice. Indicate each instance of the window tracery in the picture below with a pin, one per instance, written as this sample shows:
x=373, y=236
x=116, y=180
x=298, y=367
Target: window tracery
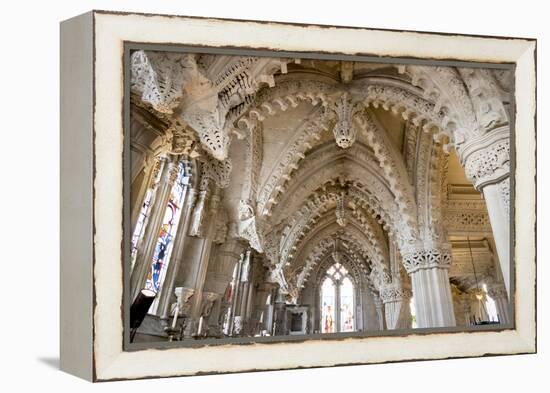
x=337, y=300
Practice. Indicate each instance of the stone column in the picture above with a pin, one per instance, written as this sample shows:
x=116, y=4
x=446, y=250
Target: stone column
x=140, y=186
x=220, y=272
x=152, y=230
x=478, y=306
x=177, y=254
x=269, y=308
x=208, y=312
x=487, y=165
x=379, y=305
x=204, y=257
x=498, y=293
x=428, y=269
x=461, y=307
x=396, y=307
x=242, y=295
x=214, y=327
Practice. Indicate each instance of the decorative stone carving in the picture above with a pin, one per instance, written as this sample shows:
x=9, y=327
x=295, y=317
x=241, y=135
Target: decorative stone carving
x=182, y=304
x=218, y=171
x=288, y=161
x=483, y=165
x=160, y=77
x=341, y=212
x=424, y=259
x=344, y=129
x=198, y=216
x=445, y=88
x=248, y=225
x=393, y=293
x=466, y=215
x=238, y=325
x=486, y=96
x=504, y=192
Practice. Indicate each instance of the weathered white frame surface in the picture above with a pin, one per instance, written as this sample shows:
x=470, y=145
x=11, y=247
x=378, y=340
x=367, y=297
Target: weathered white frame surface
x=95, y=351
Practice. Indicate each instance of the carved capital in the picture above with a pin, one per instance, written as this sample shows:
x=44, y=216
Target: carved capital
x=497, y=291
x=393, y=293
x=486, y=159
x=426, y=259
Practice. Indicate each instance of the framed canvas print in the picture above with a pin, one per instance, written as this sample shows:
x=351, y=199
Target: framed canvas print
x=245, y=195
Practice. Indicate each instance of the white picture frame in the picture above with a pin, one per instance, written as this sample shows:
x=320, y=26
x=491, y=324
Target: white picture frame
x=92, y=138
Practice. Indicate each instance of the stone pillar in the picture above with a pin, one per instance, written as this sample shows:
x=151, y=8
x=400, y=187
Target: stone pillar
x=242, y=293
x=396, y=307
x=461, y=307
x=380, y=313
x=152, y=230
x=195, y=256
x=258, y=315
x=204, y=257
x=220, y=274
x=478, y=306
x=269, y=310
x=428, y=269
x=279, y=318
x=497, y=292
x=177, y=254
x=209, y=314
x=141, y=184
x=369, y=310
x=486, y=160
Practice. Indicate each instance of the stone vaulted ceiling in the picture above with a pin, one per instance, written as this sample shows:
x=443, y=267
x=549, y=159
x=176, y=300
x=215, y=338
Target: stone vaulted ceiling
x=316, y=156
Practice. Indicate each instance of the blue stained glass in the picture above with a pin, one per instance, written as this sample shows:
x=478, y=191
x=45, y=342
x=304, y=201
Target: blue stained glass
x=164, y=246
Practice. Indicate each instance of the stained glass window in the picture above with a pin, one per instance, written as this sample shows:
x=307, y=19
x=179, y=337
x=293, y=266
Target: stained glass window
x=328, y=296
x=137, y=235
x=346, y=305
x=337, y=301
x=163, y=248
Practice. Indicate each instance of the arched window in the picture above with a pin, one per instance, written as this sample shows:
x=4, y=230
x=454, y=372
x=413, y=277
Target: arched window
x=328, y=297
x=337, y=301
x=166, y=237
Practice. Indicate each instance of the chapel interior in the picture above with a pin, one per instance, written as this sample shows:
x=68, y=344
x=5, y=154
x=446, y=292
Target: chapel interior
x=295, y=196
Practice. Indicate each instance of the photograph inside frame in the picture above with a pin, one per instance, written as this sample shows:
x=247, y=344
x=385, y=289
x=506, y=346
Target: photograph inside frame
x=303, y=197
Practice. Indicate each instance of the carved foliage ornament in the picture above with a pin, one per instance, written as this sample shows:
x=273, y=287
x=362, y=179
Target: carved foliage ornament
x=425, y=259
x=248, y=225
x=160, y=77
x=344, y=131
x=485, y=164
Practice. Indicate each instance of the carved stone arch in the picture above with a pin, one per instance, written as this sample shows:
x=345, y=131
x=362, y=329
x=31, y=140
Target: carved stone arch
x=430, y=174
x=329, y=228
x=356, y=163
x=289, y=161
x=391, y=162
x=356, y=274
x=408, y=105
x=374, y=244
x=288, y=93
x=316, y=208
x=445, y=87
x=364, y=187
x=487, y=96
x=323, y=248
